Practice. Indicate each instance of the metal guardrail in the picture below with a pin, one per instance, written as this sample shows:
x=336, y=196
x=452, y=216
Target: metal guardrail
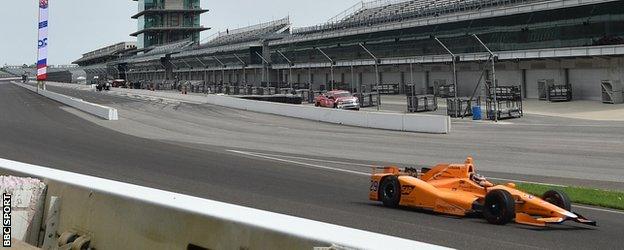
x=369, y=99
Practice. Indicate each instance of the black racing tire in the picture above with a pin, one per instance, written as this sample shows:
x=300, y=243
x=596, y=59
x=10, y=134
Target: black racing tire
x=335, y=105
x=316, y=104
x=390, y=191
x=499, y=207
x=558, y=198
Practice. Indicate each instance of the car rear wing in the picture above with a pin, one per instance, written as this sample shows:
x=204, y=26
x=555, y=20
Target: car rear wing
x=394, y=170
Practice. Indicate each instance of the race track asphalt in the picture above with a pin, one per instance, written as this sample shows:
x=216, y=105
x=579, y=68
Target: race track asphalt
x=40, y=131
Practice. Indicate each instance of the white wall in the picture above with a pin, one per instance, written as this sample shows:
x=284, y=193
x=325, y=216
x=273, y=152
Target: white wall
x=467, y=81
x=124, y=216
x=391, y=78
x=509, y=77
x=534, y=75
x=586, y=83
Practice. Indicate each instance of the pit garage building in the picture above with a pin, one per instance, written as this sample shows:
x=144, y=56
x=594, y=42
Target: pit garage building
x=575, y=42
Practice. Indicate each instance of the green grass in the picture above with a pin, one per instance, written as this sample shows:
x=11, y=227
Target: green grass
x=580, y=195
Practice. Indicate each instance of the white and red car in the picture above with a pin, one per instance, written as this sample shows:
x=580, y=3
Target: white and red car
x=339, y=99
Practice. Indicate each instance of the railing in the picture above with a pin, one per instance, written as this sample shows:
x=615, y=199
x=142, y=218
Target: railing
x=279, y=22
x=174, y=26
x=115, y=47
x=346, y=13
x=380, y=11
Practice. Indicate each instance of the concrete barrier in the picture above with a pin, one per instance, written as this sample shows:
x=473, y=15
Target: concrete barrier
x=379, y=120
x=421, y=123
x=124, y=216
x=388, y=121
x=427, y=123
x=436, y=124
x=91, y=108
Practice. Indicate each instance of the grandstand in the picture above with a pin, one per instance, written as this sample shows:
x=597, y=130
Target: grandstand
x=57, y=73
x=107, y=53
x=384, y=11
x=4, y=74
x=269, y=30
x=18, y=71
x=568, y=41
x=230, y=49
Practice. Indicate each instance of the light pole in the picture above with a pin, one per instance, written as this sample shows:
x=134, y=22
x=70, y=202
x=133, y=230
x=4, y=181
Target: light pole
x=189, y=67
x=376, y=74
x=265, y=61
x=454, y=73
x=290, y=64
x=494, y=83
x=331, y=66
x=223, y=66
x=244, y=65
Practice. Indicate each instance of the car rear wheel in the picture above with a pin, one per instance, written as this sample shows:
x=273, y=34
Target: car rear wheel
x=558, y=198
x=390, y=191
x=316, y=104
x=500, y=207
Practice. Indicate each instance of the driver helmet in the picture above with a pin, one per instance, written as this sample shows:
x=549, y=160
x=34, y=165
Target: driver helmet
x=478, y=178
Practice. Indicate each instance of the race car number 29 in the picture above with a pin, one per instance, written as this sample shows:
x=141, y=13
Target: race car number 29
x=374, y=186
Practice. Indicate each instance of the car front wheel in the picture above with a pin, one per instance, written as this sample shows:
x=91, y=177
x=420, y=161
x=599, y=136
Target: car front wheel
x=558, y=198
x=499, y=207
x=390, y=191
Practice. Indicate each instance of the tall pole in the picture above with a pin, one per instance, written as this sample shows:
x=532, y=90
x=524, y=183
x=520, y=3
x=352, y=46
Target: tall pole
x=352, y=78
x=331, y=66
x=244, y=67
x=494, y=83
x=265, y=61
x=42, y=45
x=454, y=74
x=412, y=74
x=223, y=66
x=376, y=74
x=290, y=64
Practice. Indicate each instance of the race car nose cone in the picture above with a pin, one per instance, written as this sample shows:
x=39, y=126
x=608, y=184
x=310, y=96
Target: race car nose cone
x=570, y=215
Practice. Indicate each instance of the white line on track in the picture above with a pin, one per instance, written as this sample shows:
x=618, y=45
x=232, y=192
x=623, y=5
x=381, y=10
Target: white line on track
x=300, y=163
x=599, y=209
x=542, y=124
x=366, y=165
x=319, y=160
x=276, y=158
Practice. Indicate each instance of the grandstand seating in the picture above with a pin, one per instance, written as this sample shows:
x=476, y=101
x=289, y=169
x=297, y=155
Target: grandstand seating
x=18, y=71
x=168, y=48
x=252, y=33
x=384, y=11
x=562, y=27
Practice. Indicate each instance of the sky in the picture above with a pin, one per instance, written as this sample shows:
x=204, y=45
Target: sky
x=80, y=26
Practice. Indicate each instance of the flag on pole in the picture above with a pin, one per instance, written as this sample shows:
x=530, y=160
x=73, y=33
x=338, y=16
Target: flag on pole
x=42, y=52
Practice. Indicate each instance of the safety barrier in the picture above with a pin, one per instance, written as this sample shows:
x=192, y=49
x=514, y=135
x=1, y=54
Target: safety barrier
x=9, y=78
x=91, y=108
x=125, y=216
x=390, y=121
x=422, y=123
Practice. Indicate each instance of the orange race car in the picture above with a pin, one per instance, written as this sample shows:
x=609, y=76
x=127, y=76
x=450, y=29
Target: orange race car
x=456, y=189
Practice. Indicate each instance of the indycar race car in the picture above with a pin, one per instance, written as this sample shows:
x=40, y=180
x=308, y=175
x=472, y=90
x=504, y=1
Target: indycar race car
x=456, y=189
